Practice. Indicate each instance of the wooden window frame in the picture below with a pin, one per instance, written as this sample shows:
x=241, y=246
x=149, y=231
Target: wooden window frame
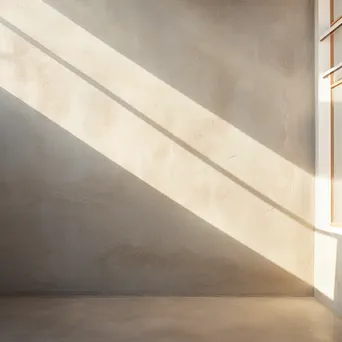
x=325, y=55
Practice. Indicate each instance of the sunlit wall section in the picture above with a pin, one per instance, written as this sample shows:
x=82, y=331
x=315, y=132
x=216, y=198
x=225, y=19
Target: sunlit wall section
x=175, y=145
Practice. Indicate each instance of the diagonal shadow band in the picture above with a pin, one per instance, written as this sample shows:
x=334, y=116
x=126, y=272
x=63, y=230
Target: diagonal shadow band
x=156, y=126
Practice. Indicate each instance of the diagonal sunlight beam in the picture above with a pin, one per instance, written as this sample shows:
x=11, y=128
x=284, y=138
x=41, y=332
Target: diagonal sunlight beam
x=157, y=126
x=184, y=118
x=180, y=148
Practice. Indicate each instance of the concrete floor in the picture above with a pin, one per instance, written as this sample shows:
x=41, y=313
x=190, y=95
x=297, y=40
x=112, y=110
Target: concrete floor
x=166, y=319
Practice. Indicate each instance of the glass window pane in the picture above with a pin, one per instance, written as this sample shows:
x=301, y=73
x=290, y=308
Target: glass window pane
x=337, y=9
x=338, y=52
x=337, y=183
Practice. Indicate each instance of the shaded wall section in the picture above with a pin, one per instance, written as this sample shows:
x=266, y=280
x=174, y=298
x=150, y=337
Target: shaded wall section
x=164, y=148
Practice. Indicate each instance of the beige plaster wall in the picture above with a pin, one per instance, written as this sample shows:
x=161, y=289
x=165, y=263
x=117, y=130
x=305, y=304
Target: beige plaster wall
x=156, y=147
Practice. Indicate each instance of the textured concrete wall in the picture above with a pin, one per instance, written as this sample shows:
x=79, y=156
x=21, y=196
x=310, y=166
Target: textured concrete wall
x=156, y=147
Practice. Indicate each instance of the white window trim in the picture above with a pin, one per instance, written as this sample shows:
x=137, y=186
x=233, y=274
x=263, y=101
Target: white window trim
x=324, y=159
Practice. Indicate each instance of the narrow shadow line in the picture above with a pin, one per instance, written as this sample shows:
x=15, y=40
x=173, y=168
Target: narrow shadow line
x=159, y=128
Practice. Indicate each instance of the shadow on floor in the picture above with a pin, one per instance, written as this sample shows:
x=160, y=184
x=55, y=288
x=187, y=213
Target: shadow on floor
x=166, y=319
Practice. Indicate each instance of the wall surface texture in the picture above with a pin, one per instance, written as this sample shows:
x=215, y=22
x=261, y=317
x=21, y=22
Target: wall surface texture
x=156, y=147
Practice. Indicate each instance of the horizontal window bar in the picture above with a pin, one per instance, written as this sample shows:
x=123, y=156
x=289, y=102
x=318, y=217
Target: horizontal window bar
x=332, y=70
x=336, y=84
x=332, y=29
